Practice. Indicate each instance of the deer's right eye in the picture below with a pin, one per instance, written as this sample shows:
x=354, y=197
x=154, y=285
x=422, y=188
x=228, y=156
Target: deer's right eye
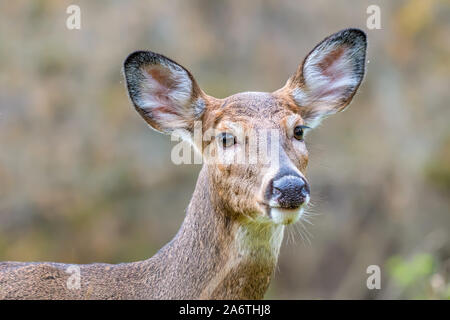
x=227, y=140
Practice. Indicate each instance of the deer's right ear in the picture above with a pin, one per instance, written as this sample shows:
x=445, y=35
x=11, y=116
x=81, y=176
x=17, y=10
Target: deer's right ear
x=164, y=93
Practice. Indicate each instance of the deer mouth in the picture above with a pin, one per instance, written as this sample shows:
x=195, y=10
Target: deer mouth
x=285, y=215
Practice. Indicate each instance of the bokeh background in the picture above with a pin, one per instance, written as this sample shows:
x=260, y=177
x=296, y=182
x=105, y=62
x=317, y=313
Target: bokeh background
x=83, y=179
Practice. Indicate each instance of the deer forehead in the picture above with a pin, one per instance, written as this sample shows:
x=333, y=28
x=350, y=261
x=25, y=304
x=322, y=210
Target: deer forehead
x=256, y=110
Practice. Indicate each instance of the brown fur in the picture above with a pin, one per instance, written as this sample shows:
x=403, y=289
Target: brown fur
x=203, y=260
x=190, y=266
x=227, y=246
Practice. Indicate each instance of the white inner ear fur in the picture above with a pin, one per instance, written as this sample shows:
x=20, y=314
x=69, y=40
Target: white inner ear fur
x=168, y=99
x=327, y=86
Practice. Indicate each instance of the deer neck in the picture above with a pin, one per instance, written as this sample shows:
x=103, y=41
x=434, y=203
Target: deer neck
x=215, y=254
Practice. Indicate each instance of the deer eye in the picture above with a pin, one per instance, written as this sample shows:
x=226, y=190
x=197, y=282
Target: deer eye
x=299, y=131
x=227, y=140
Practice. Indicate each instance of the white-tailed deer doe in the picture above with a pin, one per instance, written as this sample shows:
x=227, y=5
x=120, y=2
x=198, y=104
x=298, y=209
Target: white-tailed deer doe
x=228, y=244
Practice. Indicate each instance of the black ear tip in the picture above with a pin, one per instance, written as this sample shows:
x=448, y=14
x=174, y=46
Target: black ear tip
x=353, y=36
x=359, y=35
x=138, y=58
x=356, y=32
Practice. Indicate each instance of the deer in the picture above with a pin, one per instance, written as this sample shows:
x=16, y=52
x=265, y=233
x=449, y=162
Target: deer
x=228, y=244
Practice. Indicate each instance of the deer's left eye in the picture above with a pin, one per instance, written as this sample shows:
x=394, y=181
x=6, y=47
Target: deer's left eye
x=299, y=132
x=227, y=140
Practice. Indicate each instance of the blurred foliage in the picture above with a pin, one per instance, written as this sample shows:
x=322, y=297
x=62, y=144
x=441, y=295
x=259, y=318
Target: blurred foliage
x=417, y=277
x=83, y=179
x=438, y=169
x=406, y=273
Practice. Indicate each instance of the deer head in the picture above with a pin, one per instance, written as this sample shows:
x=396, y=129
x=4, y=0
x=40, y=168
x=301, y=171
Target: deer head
x=275, y=191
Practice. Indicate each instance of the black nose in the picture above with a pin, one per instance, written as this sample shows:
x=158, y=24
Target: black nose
x=290, y=191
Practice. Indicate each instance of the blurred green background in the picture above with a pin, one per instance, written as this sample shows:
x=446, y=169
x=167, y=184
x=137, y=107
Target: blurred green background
x=83, y=179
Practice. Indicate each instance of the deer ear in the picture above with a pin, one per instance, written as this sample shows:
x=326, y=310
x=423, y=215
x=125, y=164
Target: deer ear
x=164, y=93
x=330, y=75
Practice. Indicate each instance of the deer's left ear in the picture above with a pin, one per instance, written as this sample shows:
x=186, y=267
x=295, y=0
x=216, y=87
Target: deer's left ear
x=330, y=75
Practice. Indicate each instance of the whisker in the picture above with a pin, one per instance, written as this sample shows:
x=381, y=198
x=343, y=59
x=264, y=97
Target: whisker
x=305, y=219
x=300, y=232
